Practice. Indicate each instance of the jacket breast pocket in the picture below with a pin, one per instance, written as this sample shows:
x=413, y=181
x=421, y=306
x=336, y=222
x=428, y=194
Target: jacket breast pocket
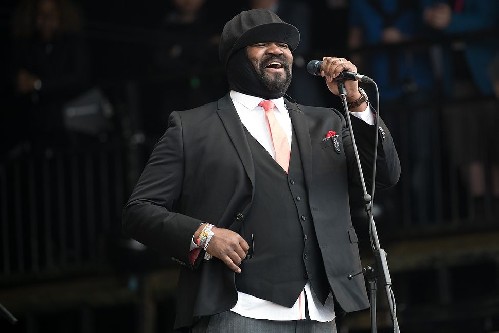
x=333, y=142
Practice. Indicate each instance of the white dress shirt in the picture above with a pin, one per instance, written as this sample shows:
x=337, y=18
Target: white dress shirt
x=253, y=118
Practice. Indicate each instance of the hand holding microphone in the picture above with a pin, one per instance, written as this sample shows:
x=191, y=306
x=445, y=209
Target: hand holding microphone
x=342, y=79
x=314, y=67
x=339, y=74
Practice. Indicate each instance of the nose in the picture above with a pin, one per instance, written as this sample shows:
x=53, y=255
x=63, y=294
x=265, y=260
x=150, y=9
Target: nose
x=275, y=48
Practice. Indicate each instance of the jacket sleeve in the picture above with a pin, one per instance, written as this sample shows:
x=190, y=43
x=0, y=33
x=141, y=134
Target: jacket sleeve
x=387, y=160
x=149, y=215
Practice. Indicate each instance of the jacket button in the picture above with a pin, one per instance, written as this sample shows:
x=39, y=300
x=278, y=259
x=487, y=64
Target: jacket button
x=298, y=198
x=303, y=218
x=305, y=238
x=239, y=216
x=291, y=181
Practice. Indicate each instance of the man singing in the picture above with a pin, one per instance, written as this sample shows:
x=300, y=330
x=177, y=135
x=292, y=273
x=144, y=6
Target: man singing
x=250, y=193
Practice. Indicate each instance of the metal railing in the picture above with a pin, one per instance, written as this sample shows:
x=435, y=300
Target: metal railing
x=58, y=208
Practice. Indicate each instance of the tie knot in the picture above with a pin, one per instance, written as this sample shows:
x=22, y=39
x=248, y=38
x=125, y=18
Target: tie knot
x=266, y=105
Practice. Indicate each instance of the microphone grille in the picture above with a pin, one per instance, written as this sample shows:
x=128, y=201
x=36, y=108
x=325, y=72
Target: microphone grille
x=314, y=67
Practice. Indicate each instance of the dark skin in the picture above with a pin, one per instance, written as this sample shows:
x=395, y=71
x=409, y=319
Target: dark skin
x=273, y=61
x=331, y=68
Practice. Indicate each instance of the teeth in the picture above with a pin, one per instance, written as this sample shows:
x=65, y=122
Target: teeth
x=275, y=65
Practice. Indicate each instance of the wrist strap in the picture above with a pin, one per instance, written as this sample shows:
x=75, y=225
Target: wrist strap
x=204, y=238
x=363, y=98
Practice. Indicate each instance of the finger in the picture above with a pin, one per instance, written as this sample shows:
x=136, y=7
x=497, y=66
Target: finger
x=332, y=67
x=337, y=69
x=236, y=259
x=240, y=253
x=228, y=261
x=345, y=64
x=236, y=255
x=244, y=245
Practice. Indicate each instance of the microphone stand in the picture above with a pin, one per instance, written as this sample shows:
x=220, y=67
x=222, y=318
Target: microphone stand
x=7, y=314
x=379, y=253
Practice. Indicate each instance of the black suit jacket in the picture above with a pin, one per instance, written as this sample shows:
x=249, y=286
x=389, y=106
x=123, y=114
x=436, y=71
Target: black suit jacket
x=201, y=170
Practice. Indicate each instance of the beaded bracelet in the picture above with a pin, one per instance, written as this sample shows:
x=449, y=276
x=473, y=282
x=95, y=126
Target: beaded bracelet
x=363, y=98
x=208, y=238
x=205, y=236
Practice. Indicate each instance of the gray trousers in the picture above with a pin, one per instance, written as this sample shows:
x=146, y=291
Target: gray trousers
x=231, y=322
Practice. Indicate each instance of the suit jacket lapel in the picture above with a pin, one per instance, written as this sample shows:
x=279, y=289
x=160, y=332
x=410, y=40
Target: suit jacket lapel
x=228, y=114
x=301, y=129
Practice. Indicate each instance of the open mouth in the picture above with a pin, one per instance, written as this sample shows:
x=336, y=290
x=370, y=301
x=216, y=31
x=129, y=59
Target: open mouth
x=274, y=65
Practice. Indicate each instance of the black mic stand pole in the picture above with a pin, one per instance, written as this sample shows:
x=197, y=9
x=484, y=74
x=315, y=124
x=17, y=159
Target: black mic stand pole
x=379, y=253
x=7, y=314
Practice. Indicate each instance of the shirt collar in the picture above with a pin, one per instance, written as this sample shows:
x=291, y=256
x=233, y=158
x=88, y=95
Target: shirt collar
x=251, y=102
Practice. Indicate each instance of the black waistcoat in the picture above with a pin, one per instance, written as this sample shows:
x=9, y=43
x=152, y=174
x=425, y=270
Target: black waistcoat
x=285, y=249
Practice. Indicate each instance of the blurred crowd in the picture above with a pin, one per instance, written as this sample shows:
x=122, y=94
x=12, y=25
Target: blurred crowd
x=75, y=77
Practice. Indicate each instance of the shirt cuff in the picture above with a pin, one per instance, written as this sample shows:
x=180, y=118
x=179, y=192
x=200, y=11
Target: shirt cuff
x=367, y=115
x=193, y=245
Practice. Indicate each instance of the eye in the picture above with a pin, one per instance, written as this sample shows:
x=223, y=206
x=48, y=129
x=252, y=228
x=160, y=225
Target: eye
x=283, y=45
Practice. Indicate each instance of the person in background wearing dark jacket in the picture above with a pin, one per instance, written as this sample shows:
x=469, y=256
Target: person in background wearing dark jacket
x=50, y=67
x=405, y=80
x=470, y=28
x=250, y=193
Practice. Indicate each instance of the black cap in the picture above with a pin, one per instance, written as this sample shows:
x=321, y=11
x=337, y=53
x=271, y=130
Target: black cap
x=255, y=26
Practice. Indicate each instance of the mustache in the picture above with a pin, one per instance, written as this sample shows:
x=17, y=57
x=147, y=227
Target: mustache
x=267, y=60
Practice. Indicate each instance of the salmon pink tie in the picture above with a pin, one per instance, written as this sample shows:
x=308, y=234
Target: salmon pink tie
x=279, y=139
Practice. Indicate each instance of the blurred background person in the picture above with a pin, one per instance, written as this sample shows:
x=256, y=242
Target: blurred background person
x=378, y=29
x=494, y=73
x=50, y=67
x=464, y=68
x=185, y=63
x=471, y=111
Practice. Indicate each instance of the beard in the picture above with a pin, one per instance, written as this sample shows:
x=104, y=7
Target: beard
x=252, y=79
x=275, y=83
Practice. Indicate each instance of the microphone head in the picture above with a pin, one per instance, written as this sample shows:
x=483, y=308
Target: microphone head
x=314, y=67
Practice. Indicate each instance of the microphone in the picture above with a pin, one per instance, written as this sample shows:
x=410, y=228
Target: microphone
x=314, y=68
